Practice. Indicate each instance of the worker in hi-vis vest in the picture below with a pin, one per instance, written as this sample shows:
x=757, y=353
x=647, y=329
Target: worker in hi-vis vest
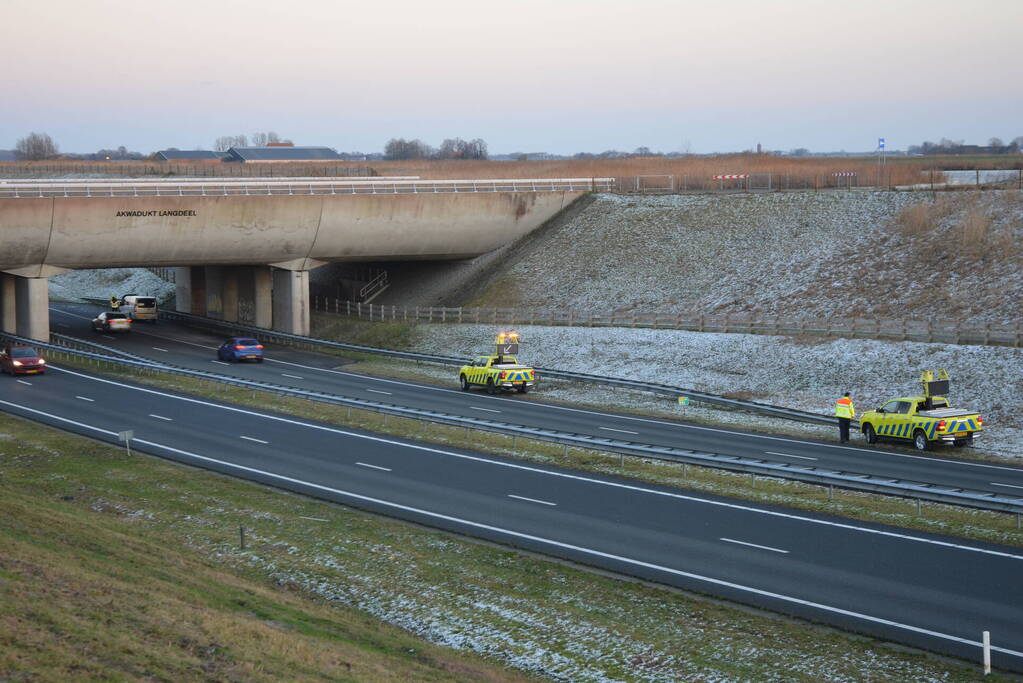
x=115, y=303
x=845, y=412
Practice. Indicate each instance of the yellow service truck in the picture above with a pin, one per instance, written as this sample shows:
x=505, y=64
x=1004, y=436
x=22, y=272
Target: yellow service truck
x=926, y=419
x=499, y=371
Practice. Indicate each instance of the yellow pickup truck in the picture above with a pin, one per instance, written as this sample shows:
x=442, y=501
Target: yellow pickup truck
x=500, y=370
x=924, y=420
x=497, y=373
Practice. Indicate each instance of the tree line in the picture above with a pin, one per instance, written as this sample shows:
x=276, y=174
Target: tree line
x=947, y=146
x=452, y=148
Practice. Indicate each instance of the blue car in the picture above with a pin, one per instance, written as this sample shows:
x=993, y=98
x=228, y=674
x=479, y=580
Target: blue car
x=240, y=348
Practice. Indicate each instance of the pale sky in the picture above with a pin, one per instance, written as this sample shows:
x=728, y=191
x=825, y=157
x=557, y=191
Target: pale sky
x=558, y=76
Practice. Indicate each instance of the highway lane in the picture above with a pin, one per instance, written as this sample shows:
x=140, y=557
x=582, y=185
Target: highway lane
x=179, y=345
x=916, y=588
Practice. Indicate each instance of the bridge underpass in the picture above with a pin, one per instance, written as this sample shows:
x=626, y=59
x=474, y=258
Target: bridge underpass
x=243, y=249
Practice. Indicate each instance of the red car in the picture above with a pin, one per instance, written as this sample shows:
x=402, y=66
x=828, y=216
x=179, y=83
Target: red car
x=22, y=360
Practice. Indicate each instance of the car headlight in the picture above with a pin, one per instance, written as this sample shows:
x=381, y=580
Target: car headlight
x=16, y=363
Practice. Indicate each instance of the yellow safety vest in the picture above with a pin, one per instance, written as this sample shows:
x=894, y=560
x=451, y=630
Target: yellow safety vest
x=844, y=408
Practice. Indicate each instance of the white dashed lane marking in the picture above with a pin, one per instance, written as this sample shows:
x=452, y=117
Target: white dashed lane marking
x=160, y=417
x=789, y=455
x=21, y=381
x=377, y=391
x=375, y=467
x=1011, y=486
x=249, y=438
x=284, y=374
x=488, y=410
x=754, y=545
x=219, y=362
x=85, y=398
x=531, y=500
x=157, y=348
x=623, y=431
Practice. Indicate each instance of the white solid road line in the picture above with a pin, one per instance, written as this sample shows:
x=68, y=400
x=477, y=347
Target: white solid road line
x=85, y=398
x=21, y=381
x=1011, y=486
x=754, y=545
x=532, y=500
x=377, y=391
x=249, y=438
x=518, y=534
x=623, y=431
x=160, y=417
x=219, y=362
x=789, y=455
x=488, y=410
x=529, y=468
x=284, y=374
x=376, y=467
x=157, y=348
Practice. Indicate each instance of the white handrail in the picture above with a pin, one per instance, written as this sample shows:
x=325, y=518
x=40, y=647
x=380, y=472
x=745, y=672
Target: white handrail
x=19, y=189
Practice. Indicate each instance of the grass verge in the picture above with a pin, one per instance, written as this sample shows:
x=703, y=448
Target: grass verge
x=131, y=567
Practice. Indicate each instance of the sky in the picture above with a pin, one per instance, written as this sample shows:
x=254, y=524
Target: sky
x=558, y=76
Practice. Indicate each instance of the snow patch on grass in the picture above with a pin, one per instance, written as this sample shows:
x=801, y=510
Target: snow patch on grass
x=784, y=371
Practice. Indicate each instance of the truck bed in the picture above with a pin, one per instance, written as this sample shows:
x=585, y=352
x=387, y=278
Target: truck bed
x=944, y=413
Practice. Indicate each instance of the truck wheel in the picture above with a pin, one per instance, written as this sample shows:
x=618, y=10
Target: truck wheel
x=920, y=441
x=522, y=390
x=491, y=389
x=464, y=382
x=870, y=434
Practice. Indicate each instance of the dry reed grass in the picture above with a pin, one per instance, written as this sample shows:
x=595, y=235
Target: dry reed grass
x=808, y=172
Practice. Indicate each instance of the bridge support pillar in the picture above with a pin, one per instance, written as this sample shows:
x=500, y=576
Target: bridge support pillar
x=214, y=276
x=8, y=304
x=32, y=302
x=262, y=295
x=291, y=301
x=190, y=289
x=229, y=292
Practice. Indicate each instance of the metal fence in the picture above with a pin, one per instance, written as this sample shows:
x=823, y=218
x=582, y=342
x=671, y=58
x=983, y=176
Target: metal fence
x=931, y=331
x=781, y=182
x=915, y=490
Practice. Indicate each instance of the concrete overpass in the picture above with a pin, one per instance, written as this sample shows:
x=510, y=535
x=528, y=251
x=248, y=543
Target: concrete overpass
x=244, y=248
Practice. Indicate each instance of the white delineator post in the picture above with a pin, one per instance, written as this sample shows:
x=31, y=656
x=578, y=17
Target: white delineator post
x=987, y=652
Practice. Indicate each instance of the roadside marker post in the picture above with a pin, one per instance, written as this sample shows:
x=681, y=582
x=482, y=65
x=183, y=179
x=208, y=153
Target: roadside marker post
x=683, y=401
x=126, y=436
x=987, y=652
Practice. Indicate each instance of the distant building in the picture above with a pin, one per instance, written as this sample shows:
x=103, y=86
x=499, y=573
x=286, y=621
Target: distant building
x=275, y=154
x=8, y=155
x=187, y=155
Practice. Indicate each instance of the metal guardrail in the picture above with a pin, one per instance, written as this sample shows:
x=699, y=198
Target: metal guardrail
x=29, y=189
x=753, y=466
x=660, y=389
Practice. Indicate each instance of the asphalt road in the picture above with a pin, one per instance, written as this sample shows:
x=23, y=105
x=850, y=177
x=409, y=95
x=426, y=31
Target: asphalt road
x=925, y=590
x=187, y=347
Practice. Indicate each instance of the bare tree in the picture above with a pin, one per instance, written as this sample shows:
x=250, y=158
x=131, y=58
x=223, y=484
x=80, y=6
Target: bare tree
x=400, y=148
x=226, y=142
x=36, y=146
x=995, y=142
